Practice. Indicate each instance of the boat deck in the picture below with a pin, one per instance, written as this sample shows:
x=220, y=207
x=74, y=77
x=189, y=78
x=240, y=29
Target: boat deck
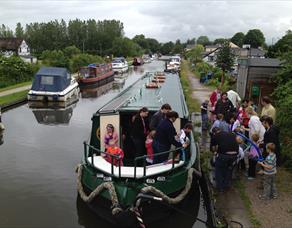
x=137, y=96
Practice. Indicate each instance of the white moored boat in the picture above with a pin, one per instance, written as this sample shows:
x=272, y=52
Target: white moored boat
x=53, y=84
x=120, y=65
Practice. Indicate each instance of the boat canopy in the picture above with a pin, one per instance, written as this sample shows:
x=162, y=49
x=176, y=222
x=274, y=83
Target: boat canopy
x=51, y=79
x=137, y=96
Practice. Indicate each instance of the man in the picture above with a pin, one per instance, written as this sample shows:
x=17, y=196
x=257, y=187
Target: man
x=224, y=106
x=227, y=148
x=234, y=98
x=165, y=136
x=268, y=108
x=158, y=116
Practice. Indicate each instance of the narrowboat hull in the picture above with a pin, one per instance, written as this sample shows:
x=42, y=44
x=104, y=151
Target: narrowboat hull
x=97, y=81
x=151, y=210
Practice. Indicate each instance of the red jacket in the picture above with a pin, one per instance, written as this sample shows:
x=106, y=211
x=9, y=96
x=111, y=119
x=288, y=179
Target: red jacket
x=213, y=98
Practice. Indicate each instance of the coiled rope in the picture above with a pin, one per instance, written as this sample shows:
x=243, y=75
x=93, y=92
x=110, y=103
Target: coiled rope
x=176, y=199
x=106, y=185
x=115, y=202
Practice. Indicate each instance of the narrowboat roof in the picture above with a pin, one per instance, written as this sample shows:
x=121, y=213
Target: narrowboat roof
x=137, y=96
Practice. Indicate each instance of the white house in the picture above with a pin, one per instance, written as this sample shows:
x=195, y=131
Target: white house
x=18, y=46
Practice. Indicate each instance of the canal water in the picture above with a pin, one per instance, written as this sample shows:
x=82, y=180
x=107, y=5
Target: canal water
x=38, y=158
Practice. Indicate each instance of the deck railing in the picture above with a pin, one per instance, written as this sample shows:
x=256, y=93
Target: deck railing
x=90, y=151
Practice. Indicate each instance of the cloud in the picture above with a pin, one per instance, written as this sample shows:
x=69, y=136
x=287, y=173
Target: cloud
x=163, y=20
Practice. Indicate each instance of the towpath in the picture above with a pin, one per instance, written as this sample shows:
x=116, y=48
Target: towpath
x=15, y=90
x=228, y=204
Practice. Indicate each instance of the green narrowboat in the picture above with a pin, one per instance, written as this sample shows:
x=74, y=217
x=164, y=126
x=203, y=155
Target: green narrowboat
x=125, y=194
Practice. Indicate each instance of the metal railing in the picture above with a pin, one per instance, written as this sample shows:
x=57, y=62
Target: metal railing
x=90, y=151
x=143, y=158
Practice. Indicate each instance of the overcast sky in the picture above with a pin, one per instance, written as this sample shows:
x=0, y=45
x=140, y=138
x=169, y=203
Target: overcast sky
x=163, y=20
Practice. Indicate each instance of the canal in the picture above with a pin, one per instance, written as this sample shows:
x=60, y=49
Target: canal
x=38, y=158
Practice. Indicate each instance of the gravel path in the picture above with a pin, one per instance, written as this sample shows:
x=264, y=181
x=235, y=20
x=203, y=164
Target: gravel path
x=11, y=91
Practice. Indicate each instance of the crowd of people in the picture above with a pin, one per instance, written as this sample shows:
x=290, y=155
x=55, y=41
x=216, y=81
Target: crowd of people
x=151, y=135
x=242, y=139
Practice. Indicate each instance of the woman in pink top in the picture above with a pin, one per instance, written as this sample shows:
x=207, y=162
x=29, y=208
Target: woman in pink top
x=110, y=137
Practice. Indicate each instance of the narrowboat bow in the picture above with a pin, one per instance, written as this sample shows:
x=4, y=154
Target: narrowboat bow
x=117, y=191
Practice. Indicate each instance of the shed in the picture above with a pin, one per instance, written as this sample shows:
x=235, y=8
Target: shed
x=256, y=77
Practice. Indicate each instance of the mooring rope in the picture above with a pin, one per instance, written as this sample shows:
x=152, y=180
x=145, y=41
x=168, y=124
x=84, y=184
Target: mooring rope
x=115, y=202
x=176, y=199
x=106, y=185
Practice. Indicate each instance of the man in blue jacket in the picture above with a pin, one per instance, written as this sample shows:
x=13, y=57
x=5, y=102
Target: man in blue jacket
x=165, y=137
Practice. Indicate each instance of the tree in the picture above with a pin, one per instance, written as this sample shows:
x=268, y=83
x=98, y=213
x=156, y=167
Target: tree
x=191, y=41
x=255, y=38
x=125, y=47
x=195, y=54
x=70, y=51
x=238, y=39
x=5, y=32
x=283, y=95
x=219, y=41
x=284, y=44
x=204, y=40
x=19, y=32
x=83, y=59
x=108, y=31
x=225, y=60
x=153, y=45
x=167, y=48
x=55, y=58
x=141, y=40
x=14, y=70
x=178, y=47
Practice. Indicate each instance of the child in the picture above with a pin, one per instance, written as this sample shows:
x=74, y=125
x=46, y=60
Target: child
x=149, y=149
x=269, y=165
x=183, y=139
x=204, y=115
x=110, y=137
x=234, y=123
x=252, y=157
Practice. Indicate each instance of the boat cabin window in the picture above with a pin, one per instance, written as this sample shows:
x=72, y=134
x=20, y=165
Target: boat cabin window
x=47, y=80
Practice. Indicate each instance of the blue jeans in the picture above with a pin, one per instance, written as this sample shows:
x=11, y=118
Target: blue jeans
x=205, y=121
x=158, y=148
x=223, y=170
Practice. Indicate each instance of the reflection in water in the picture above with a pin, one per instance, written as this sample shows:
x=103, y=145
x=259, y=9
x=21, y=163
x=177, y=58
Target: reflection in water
x=53, y=113
x=87, y=218
x=95, y=91
x=1, y=137
x=138, y=69
x=118, y=84
x=182, y=215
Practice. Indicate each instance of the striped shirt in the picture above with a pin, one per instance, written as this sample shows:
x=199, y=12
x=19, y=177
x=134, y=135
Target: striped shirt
x=271, y=161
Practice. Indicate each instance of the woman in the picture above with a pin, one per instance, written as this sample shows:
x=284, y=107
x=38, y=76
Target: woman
x=255, y=125
x=165, y=137
x=139, y=131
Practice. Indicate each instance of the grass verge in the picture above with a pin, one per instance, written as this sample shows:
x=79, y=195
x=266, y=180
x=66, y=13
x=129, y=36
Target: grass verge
x=15, y=86
x=241, y=188
x=192, y=103
x=13, y=97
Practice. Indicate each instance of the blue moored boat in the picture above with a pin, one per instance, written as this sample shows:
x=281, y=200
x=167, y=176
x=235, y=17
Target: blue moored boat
x=53, y=84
